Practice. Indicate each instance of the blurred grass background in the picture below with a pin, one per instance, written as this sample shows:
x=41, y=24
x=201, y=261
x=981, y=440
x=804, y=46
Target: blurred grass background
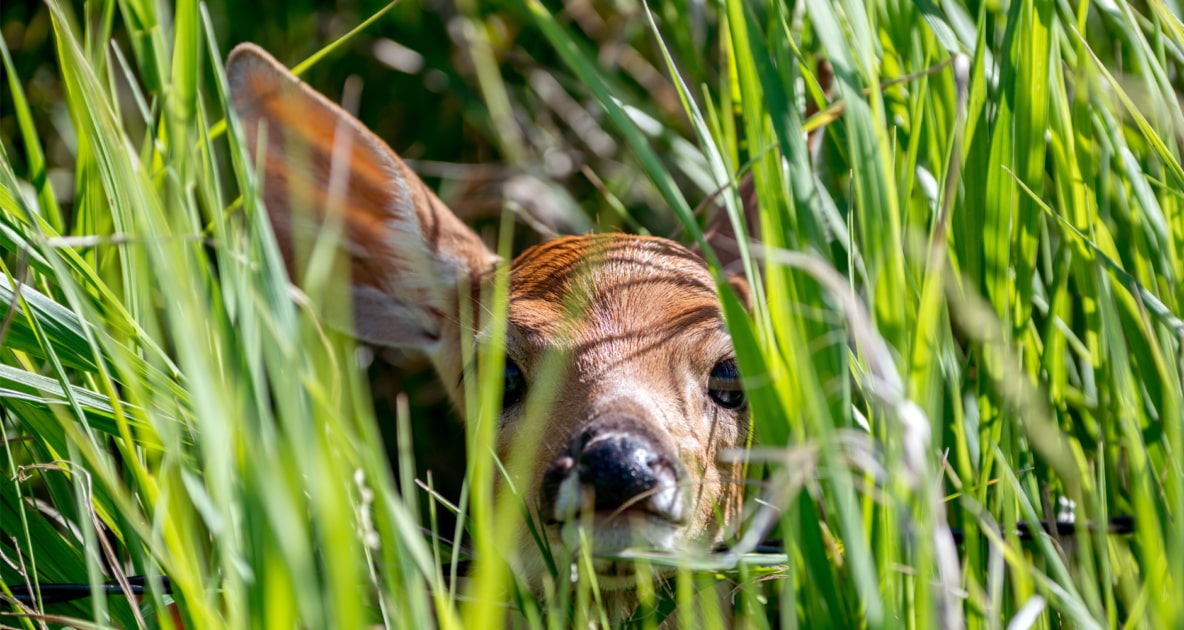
x=965, y=303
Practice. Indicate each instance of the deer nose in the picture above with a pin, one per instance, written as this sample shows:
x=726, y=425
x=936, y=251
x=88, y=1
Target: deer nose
x=611, y=471
x=618, y=469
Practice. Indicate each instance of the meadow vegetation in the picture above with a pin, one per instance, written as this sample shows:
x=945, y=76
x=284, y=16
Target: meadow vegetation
x=967, y=282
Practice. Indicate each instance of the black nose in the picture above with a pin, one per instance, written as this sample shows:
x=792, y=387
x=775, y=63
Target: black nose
x=618, y=468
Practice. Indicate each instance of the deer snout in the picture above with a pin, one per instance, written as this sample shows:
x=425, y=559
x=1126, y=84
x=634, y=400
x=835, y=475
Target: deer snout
x=618, y=468
x=612, y=471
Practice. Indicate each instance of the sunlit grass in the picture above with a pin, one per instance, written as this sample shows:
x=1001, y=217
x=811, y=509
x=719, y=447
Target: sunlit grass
x=965, y=315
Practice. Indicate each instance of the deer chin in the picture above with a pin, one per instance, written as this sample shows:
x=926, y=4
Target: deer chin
x=614, y=533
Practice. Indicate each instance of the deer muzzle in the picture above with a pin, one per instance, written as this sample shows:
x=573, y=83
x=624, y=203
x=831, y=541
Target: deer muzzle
x=623, y=480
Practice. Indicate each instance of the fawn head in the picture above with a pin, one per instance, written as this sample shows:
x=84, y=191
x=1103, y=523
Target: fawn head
x=647, y=395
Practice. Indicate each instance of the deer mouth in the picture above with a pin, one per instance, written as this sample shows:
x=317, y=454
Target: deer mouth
x=608, y=535
x=614, y=531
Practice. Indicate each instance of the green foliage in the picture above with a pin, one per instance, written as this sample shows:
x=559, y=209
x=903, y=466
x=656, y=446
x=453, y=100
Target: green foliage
x=965, y=305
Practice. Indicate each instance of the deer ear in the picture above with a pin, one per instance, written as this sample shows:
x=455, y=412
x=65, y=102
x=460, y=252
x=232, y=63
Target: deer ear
x=721, y=236
x=407, y=253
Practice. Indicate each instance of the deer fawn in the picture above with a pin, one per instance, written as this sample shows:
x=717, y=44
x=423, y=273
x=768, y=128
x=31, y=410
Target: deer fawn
x=650, y=396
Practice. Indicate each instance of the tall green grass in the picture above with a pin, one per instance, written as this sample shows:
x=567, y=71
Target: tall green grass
x=965, y=314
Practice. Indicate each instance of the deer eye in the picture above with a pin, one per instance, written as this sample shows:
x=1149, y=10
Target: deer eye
x=514, y=385
x=723, y=385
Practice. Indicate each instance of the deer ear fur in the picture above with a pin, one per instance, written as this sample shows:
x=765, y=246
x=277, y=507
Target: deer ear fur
x=407, y=253
x=721, y=236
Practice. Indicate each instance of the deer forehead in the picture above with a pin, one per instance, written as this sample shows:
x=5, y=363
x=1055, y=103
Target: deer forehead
x=616, y=301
